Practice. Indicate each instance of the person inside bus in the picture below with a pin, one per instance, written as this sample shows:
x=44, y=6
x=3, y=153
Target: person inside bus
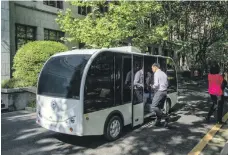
x=138, y=85
x=160, y=90
x=128, y=79
x=215, y=81
x=148, y=82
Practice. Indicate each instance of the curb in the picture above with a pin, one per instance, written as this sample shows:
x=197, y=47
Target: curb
x=30, y=109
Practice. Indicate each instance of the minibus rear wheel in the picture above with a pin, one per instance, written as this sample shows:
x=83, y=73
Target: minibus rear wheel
x=167, y=106
x=113, y=128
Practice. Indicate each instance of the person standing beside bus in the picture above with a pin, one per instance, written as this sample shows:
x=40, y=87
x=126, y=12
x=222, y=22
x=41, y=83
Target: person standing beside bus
x=215, y=81
x=160, y=88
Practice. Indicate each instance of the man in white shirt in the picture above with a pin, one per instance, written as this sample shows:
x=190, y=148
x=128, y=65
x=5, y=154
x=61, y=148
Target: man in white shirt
x=160, y=86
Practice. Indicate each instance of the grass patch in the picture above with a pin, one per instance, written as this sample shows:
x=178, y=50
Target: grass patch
x=32, y=104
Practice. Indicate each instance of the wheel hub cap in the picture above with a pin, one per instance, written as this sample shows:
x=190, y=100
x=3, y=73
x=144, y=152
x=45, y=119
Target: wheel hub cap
x=115, y=128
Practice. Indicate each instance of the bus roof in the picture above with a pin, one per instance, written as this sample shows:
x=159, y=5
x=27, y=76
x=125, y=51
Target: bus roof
x=78, y=51
x=124, y=49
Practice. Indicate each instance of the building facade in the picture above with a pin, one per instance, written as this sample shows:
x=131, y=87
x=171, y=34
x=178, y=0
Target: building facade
x=24, y=21
x=5, y=40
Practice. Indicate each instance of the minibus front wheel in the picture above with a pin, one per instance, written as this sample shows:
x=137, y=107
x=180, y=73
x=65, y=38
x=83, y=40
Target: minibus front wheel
x=113, y=128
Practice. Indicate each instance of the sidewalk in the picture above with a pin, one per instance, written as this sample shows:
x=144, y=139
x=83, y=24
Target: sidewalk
x=218, y=144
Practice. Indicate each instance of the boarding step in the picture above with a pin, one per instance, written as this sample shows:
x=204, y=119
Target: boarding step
x=149, y=114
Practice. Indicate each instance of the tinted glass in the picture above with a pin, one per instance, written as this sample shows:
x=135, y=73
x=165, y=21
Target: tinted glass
x=138, y=79
x=118, y=78
x=99, y=92
x=127, y=78
x=149, y=75
x=162, y=62
x=172, y=79
x=61, y=76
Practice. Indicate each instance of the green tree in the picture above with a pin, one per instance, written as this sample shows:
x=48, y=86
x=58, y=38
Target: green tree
x=197, y=27
x=190, y=28
x=124, y=21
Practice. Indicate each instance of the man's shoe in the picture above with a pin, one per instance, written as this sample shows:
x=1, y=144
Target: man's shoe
x=166, y=124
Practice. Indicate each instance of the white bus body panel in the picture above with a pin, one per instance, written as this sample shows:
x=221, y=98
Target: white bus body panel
x=138, y=114
x=55, y=114
x=94, y=122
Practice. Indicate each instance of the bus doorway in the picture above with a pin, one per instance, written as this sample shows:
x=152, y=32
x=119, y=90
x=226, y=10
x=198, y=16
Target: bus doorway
x=138, y=89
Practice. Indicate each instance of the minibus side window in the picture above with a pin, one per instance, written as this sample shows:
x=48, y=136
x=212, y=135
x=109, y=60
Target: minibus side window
x=127, y=75
x=118, y=79
x=99, y=92
x=148, y=77
x=138, y=82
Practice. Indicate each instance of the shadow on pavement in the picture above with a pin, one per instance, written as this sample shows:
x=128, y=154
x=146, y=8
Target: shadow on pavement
x=186, y=129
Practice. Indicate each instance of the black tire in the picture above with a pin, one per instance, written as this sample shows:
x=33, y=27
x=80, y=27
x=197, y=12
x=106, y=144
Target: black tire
x=108, y=132
x=167, y=106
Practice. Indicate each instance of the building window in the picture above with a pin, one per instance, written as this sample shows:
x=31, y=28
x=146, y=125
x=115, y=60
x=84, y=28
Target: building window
x=166, y=52
x=53, y=35
x=172, y=54
x=24, y=34
x=149, y=50
x=56, y=4
x=103, y=9
x=156, y=51
x=81, y=45
x=83, y=10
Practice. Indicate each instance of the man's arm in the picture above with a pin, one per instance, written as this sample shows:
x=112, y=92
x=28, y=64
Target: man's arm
x=156, y=82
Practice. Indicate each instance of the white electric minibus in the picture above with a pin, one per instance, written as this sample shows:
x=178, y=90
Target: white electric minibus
x=90, y=91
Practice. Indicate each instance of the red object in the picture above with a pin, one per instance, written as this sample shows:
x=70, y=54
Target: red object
x=214, y=84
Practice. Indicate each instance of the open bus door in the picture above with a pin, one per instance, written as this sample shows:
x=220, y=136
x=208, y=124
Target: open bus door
x=137, y=91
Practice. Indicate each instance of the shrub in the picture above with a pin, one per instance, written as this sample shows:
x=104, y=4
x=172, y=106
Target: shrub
x=30, y=59
x=32, y=104
x=10, y=83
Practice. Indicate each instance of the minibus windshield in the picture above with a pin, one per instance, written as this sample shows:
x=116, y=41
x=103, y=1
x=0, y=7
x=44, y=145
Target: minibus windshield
x=61, y=76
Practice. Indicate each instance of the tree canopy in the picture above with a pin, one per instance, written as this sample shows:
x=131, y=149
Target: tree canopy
x=194, y=29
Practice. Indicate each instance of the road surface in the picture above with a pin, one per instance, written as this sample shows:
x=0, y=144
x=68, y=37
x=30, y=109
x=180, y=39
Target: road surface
x=22, y=136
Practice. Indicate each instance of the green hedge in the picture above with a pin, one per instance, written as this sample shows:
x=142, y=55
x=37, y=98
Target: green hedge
x=30, y=59
x=10, y=83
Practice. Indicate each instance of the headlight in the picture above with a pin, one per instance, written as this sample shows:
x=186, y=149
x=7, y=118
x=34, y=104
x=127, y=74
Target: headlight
x=71, y=120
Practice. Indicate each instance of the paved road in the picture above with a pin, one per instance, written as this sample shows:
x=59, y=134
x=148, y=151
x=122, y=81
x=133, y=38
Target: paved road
x=21, y=136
